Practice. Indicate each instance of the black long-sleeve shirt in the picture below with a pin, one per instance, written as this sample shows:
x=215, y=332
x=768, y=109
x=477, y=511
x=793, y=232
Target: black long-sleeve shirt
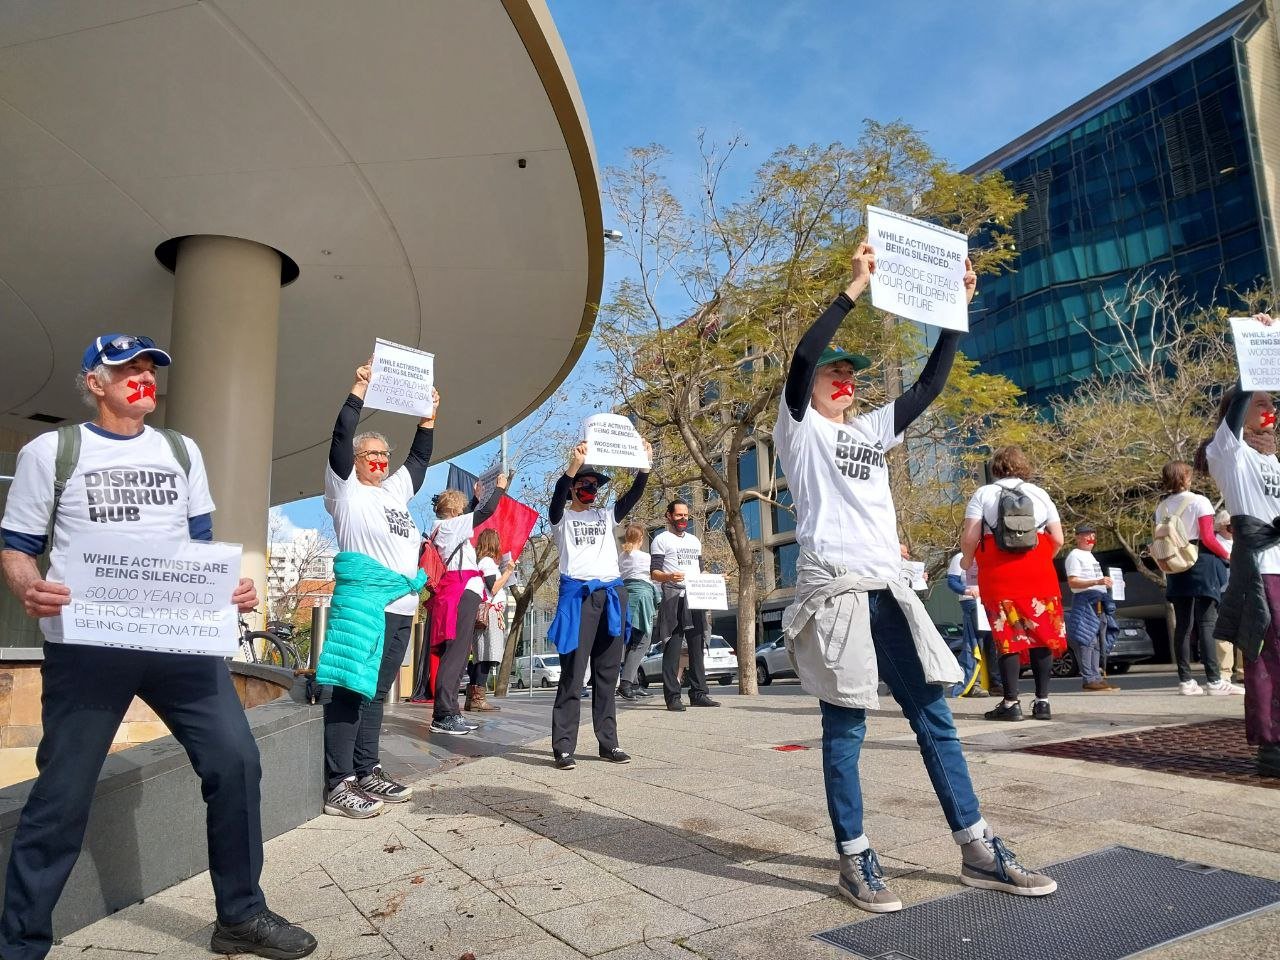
x=621, y=507
x=342, y=455
x=906, y=408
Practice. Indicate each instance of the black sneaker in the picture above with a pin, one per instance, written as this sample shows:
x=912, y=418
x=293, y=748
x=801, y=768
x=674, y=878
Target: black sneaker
x=615, y=755
x=1005, y=711
x=1040, y=710
x=702, y=700
x=627, y=690
x=565, y=761
x=676, y=706
x=450, y=725
x=641, y=692
x=384, y=788
x=267, y=935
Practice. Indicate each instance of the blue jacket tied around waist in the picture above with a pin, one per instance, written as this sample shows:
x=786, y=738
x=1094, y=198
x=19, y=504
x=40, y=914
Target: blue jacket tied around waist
x=568, y=619
x=352, y=651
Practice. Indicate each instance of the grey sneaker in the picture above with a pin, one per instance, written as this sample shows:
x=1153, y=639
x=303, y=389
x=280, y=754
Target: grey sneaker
x=990, y=865
x=453, y=726
x=384, y=788
x=862, y=883
x=348, y=800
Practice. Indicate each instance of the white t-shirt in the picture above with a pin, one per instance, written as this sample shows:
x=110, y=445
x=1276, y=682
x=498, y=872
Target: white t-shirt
x=455, y=534
x=1189, y=507
x=588, y=550
x=1082, y=564
x=132, y=485
x=634, y=565
x=985, y=502
x=376, y=521
x=488, y=568
x=679, y=553
x=969, y=576
x=840, y=486
x=1249, y=481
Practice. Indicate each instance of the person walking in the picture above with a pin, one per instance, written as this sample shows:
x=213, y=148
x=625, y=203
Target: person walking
x=1016, y=529
x=377, y=584
x=590, y=622
x=1091, y=621
x=491, y=638
x=677, y=553
x=852, y=621
x=54, y=500
x=1194, y=592
x=642, y=606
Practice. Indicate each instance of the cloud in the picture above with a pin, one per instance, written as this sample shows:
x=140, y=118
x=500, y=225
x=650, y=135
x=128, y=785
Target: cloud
x=282, y=530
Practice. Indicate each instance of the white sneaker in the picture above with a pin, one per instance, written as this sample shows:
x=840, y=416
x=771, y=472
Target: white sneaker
x=1224, y=688
x=1189, y=688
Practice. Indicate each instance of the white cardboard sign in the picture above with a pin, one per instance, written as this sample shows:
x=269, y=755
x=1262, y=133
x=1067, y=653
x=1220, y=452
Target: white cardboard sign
x=705, y=591
x=489, y=480
x=1257, y=353
x=142, y=595
x=401, y=379
x=612, y=441
x=1117, y=582
x=919, y=269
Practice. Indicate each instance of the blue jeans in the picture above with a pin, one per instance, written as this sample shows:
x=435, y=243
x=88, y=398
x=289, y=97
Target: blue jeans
x=965, y=655
x=924, y=706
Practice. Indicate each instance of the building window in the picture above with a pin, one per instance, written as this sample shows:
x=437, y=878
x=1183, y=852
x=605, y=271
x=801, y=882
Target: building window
x=715, y=520
x=751, y=519
x=783, y=520
x=748, y=469
x=784, y=564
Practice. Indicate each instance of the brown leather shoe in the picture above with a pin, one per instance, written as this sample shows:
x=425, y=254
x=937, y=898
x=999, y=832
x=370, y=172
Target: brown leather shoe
x=1097, y=686
x=480, y=702
x=470, y=702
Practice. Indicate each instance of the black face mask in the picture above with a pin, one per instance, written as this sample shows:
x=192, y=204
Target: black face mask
x=587, y=493
x=680, y=525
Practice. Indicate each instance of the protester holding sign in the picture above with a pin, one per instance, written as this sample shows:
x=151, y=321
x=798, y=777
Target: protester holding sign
x=1241, y=457
x=853, y=620
x=1092, y=617
x=104, y=476
x=363, y=647
x=591, y=620
x=677, y=553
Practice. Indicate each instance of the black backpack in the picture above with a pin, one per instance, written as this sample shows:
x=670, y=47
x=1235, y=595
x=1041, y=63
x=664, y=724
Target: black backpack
x=1016, y=529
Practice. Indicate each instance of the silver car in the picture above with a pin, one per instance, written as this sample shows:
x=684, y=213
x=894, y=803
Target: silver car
x=544, y=672
x=773, y=662
x=718, y=660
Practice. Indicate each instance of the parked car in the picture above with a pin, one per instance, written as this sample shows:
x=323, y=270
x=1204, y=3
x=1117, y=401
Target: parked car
x=773, y=662
x=545, y=671
x=1133, y=646
x=718, y=660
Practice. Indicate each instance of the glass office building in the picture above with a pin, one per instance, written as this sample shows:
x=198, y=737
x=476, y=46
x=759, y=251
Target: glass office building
x=1167, y=170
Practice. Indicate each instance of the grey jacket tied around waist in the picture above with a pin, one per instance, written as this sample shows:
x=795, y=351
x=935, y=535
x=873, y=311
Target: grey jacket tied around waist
x=828, y=634
x=1244, y=615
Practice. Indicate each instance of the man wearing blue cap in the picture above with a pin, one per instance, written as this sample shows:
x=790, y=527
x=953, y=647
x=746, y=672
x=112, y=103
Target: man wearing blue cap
x=116, y=473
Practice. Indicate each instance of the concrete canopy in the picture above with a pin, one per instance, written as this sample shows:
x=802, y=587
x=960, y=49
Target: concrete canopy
x=427, y=164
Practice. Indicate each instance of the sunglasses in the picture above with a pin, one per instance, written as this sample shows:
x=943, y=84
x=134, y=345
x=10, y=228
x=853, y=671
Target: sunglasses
x=119, y=345
x=587, y=487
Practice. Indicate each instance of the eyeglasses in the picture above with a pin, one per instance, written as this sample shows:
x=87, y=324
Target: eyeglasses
x=375, y=455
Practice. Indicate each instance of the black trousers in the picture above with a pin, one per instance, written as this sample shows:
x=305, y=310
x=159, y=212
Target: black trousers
x=453, y=663
x=353, y=724
x=86, y=693
x=678, y=626
x=604, y=651
x=1191, y=612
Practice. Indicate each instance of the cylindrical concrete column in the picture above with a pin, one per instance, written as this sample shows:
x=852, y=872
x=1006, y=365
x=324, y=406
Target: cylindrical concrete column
x=222, y=386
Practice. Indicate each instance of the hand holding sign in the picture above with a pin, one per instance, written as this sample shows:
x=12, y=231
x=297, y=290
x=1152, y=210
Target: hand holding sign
x=401, y=379
x=1257, y=341
x=920, y=271
x=706, y=591
x=612, y=441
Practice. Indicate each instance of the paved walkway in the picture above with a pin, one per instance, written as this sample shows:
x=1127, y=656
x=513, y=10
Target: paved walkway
x=712, y=843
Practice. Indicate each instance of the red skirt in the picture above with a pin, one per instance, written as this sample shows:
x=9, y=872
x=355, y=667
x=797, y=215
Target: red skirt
x=1021, y=595
x=444, y=604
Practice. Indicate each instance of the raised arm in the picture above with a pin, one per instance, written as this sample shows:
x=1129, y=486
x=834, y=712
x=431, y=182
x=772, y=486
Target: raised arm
x=559, y=497
x=1236, y=411
x=490, y=506
x=342, y=456
x=419, y=457
x=627, y=502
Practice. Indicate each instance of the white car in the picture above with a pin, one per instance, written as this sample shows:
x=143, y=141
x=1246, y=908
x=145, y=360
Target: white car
x=773, y=662
x=545, y=671
x=718, y=660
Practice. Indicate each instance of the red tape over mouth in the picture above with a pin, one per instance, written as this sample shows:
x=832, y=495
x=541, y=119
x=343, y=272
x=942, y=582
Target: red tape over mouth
x=844, y=388
x=1268, y=419
x=140, y=390
x=376, y=467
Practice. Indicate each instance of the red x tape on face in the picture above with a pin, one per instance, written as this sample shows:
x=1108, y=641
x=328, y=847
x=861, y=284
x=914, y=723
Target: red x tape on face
x=844, y=388
x=376, y=467
x=141, y=390
x=1268, y=419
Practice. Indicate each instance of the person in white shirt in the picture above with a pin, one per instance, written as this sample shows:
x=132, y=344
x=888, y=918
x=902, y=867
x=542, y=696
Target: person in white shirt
x=1228, y=653
x=958, y=583
x=853, y=622
x=634, y=565
x=131, y=480
x=591, y=624
x=1091, y=609
x=369, y=505
x=491, y=639
x=675, y=554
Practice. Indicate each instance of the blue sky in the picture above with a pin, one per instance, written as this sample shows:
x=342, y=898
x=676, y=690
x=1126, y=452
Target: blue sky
x=970, y=76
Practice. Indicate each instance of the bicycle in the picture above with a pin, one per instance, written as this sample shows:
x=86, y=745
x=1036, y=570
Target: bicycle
x=276, y=651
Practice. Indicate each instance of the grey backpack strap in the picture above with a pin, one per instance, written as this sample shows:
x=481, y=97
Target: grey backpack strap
x=64, y=464
x=179, y=448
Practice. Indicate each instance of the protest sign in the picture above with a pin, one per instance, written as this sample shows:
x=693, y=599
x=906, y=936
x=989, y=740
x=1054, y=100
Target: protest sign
x=1117, y=582
x=705, y=591
x=919, y=269
x=913, y=575
x=162, y=597
x=613, y=442
x=1257, y=353
x=488, y=480
x=984, y=624
x=401, y=379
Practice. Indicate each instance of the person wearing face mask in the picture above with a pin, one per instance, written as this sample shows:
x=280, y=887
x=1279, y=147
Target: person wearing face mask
x=1241, y=458
x=591, y=622
x=1091, y=609
x=377, y=566
x=853, y=622
x=674, y=554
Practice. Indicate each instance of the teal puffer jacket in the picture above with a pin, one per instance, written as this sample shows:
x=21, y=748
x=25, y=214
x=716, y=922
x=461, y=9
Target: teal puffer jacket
x=352, y=651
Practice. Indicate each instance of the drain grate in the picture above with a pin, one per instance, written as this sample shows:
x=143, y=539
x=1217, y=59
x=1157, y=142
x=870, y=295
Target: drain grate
x=1109, y=904
x=1213, y=750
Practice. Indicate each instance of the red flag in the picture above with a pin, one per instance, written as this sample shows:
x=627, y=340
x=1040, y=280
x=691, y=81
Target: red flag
x=514, y=522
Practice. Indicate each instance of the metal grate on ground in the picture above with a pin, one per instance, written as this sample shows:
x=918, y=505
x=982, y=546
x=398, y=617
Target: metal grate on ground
x=1213, y=750
x=1109, y=905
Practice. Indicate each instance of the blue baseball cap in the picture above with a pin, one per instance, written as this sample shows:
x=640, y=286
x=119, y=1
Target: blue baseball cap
x=114, y=349
x=835, y=355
